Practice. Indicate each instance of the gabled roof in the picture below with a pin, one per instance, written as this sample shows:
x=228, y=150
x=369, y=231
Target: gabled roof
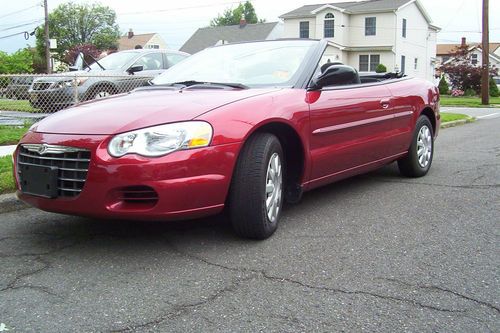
x=209, y=36
x=353, y=7
x=125, y=43
x=447, y=49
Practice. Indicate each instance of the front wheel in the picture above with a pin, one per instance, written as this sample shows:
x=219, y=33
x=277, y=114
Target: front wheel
x=419, y=158
x=256, y=196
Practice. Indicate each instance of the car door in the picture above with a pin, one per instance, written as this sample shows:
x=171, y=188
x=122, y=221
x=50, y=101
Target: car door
x=349, y=127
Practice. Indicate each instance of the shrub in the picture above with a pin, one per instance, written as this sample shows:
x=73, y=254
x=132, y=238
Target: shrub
x=457, y=93
x=444, y=89
x=494, y=88
x=470, y=92
x=380, y=68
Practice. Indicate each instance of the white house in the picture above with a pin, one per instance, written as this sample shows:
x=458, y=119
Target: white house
x=395, y=33
x=145, y=41
x=445, y=53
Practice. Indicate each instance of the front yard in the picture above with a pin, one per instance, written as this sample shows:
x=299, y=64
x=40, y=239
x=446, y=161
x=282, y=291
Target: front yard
x=6, y=177
x=474, y=102
x=16, y=105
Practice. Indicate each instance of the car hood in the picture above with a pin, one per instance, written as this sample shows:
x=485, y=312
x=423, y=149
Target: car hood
x=140, y=109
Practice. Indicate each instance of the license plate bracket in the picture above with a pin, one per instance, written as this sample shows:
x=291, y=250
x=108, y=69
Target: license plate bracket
x=39, y=180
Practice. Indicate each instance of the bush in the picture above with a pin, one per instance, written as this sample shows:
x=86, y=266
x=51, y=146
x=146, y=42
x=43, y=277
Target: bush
x=470, y=92
x=380, y=68
x=494, y=88
x=443, y=86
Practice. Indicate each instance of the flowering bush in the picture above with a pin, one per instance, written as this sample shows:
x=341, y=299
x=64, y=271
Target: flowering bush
x=457, y=93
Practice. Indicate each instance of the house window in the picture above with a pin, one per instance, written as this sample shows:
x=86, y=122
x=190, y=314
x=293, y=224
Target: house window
x=404, y=28
x=415, y=66
x=403, y=64
x=374, y=62
x=474, y=58
x=368, y=62
x=304, y=29
x=370, y=26
x=329, y=25
x=445, y=59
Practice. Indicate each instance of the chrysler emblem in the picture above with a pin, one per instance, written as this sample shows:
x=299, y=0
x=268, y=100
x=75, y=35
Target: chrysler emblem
x=42, y=149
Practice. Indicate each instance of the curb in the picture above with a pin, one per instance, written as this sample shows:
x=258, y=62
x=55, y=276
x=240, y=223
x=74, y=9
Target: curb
x=10, y=203
x=458, y=122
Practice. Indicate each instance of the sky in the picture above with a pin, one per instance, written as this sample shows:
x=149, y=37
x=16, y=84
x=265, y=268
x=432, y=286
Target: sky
x=176, y=21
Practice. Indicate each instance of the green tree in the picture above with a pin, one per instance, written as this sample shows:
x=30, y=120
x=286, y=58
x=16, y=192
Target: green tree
x=16, y=63
x=233, y=16
x=443, y=86
x=73, y=24
x=493, y=88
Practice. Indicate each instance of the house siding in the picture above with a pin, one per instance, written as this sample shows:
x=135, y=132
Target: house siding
x=418, y=43
x=156, y=40
x=384, y=35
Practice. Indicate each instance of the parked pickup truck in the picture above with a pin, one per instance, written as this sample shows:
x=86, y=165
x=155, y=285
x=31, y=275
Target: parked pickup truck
x=244, y=126
x=116, y=73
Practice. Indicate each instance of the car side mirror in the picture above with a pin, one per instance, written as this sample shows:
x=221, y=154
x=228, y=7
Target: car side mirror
x=335, y=75
x=134, y=69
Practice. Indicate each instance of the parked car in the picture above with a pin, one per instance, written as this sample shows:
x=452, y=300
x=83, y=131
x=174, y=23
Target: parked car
x=117, y=73
x=245, y=126
x=18, y=87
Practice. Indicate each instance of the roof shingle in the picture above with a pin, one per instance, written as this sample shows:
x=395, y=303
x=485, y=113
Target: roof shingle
x=209, y=36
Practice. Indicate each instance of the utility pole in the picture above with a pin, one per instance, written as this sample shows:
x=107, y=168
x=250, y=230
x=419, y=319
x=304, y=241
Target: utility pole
x=47, y=41
x=485, y=77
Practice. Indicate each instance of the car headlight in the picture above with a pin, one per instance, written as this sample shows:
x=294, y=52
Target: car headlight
x=161, y=140
x=66, y=83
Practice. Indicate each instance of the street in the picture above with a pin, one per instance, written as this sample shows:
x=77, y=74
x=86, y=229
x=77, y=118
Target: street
x=377, y=252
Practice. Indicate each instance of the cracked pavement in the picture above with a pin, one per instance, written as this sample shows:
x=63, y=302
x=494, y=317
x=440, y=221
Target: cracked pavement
x=377, y=252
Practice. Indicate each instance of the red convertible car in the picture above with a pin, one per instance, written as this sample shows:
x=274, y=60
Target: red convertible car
x=244, y=126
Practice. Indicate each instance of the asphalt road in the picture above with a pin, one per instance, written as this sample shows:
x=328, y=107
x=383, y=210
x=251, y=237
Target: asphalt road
x=377, y=253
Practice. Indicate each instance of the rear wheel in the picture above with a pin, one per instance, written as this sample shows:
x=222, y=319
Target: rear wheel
x=256, y=196
x=419, y=158
x=101, y=92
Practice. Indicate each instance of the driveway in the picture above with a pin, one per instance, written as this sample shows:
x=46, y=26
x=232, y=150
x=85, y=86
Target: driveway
x=378, y=253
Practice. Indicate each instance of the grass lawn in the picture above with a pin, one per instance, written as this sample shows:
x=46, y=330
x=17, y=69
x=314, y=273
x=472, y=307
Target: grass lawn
x=10, y=135
x=6, y=177
x=468, y=101
x=447, y=117
x=16, y=105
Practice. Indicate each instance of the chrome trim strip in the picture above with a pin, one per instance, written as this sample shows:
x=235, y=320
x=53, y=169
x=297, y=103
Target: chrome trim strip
x=56, y=159
x=71, y=179
x=333, y=128
x=68, y=189
x=43, y=148
x=65, y=169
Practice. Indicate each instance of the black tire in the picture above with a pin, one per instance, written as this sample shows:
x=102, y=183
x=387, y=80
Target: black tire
x=247, y=198
x=411, y=165
x=99, y=92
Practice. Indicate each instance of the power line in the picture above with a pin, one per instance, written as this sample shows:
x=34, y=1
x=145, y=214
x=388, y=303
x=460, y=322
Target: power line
x=25, y=33
x=180, y=8
x=20, y=11
x=21, y=25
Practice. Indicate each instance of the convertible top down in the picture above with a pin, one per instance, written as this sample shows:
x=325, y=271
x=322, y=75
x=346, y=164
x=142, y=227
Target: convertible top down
x=244, y=126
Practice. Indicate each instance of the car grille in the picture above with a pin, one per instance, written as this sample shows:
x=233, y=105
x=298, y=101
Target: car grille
x=72, y=165
x=41, y=85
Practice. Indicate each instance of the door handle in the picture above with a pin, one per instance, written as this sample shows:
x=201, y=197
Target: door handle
x=385, y=103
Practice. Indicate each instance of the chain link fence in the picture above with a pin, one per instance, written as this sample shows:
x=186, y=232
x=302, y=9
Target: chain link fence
x=44, y=94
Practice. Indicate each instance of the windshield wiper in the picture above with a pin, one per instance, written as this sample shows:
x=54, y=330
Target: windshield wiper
x=97, y=62
x=207, y=84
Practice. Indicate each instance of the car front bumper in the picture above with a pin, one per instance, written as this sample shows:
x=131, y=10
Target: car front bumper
x=188, y=184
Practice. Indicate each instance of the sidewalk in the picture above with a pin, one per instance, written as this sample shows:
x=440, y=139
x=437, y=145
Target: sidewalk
x=19, y=118
x=7, y=150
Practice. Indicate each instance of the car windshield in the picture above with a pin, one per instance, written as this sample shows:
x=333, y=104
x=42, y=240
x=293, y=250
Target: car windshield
x=270, y=63
x=114, y=61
